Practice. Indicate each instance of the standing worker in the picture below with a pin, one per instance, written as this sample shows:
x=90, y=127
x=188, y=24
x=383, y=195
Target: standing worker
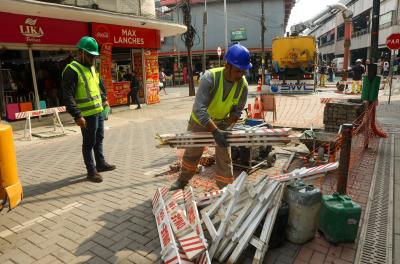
x=358, y=71
x=322, y=74
x=84, y=97
x=219, y=102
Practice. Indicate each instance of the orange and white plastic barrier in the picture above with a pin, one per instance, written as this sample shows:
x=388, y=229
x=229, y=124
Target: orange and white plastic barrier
x=179, y=227
x=47, y=111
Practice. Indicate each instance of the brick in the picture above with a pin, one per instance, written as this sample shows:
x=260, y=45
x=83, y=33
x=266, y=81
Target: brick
x=120, y=244
x=333, y=260
x=138, y=259
x=20, y=257
x=317, y=258
x=49, y=259
x=97, y=260
x=102, y=252
x=348, y=254
x=318, y=247
x=335, y=251
x=120, y=256
x=63, y=255
x=84, y=247
x=305, y=254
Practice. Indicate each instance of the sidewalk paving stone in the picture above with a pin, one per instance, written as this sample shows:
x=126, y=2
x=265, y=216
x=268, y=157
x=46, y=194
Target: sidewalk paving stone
x=114, y=223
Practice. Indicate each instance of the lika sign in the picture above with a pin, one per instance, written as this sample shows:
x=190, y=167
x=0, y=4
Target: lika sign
x=393, y=41
x=33, y=29
x=124, y=36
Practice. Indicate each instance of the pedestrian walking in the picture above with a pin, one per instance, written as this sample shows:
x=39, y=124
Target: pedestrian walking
x=358, y=71
x=219, y=102
x=330, y=73
x=163, y=79
x=133, y=95
x=84, y=97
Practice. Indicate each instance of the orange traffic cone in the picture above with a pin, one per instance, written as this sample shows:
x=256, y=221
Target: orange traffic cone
x=259, y=85
x=249, y=111
x=257, y=110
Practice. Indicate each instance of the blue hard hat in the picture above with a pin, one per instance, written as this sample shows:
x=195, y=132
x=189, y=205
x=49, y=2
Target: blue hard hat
x=238, y=56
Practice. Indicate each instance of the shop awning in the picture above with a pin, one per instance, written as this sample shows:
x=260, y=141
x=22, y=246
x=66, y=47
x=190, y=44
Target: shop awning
x=43, y=9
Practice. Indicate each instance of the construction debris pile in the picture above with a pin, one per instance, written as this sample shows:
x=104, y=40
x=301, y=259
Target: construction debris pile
x=260, y=136
x=230, y=220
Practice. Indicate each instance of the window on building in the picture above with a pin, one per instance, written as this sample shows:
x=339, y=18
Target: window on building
x=340, y=32
x=361, y=24
x=386, y=20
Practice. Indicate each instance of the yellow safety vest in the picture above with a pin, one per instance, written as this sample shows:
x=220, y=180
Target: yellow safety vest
x=87, y=94
x=219, y=109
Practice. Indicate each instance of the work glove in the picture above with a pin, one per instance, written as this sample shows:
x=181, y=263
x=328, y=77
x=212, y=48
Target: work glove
x=220, y=137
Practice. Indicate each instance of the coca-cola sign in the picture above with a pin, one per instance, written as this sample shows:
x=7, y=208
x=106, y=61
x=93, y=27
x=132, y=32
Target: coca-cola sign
x=32, y=29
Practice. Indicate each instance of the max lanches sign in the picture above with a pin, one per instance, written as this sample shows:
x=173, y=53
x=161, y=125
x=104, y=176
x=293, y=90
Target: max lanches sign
x=128, y=36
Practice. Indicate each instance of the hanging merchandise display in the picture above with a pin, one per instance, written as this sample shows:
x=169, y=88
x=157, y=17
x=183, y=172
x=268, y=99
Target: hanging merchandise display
x=152, y=77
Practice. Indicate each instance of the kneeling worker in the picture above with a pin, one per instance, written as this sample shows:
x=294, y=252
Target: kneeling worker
x=219, y=102
x=84, y=97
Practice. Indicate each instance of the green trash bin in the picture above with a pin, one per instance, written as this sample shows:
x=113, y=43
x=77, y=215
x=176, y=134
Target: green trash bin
x=339, y=218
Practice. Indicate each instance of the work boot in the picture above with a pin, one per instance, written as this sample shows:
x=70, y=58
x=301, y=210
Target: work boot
x=138, y=107
x=94, y=177
x=106, y=167
x=178, y=184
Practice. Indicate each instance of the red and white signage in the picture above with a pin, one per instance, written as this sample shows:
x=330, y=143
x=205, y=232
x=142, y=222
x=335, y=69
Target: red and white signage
x=40, y=112
x=124, y=36
x=40, y=30
x=393, y=41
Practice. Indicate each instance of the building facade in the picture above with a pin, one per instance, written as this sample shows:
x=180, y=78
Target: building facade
x=243, y=25
x=40, y=40
x=330, y=34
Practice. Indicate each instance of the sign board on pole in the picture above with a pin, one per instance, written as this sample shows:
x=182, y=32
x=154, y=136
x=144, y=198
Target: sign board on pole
x=393, y=41
x=219, y=51
x=238, y=34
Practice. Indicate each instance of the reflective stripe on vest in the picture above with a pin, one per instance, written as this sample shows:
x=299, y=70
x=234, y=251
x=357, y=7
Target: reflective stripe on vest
x=87, y=94
x=219, y=108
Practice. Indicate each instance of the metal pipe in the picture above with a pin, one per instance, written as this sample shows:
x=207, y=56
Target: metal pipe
x=344, y=162
x=204, y=36
x=35, y=87
x=226, y=27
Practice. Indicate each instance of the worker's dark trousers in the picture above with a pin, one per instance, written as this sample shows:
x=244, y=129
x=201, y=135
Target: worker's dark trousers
x=93, y=136
x=191, y=158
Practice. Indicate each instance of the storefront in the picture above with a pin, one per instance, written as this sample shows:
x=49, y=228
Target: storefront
x=127, y=49
x=32, y=56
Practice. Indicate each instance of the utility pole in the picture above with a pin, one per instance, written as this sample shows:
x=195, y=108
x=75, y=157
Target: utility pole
x=188, y=37
x=226, y=27
x=262, y=42
x=376, y=4
x=204, y=35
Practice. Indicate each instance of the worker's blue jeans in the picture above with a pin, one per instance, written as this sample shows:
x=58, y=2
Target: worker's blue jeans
x=93, y=136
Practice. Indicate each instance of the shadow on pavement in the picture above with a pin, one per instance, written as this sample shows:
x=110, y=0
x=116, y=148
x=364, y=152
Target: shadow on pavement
x=168, y=160
x=45, y=187
x=125, y=235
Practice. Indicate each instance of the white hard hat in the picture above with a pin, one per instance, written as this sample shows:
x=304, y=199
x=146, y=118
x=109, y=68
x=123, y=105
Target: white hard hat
x=358, y=60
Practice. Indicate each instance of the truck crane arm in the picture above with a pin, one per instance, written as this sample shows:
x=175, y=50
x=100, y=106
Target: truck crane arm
x=321, y=16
